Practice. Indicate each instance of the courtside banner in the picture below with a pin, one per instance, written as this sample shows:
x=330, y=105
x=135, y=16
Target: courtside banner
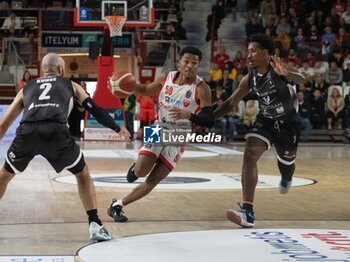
x=95, y=131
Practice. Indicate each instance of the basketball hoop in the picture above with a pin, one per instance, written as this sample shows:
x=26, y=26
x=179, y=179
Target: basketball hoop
x=115, y=24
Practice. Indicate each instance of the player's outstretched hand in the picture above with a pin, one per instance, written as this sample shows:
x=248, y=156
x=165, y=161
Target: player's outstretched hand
x=279, y=67
x=124, y=133
x=178, y=113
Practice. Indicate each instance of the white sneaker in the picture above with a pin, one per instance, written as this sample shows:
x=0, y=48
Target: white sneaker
x=98, y=233
x=284, y=186
x=241, y=217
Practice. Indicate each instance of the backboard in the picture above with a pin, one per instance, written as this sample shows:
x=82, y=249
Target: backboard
x=92, y=12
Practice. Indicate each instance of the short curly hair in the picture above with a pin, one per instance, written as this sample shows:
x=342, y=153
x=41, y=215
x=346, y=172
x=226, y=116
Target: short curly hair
x=191, y=50
x=264, y=42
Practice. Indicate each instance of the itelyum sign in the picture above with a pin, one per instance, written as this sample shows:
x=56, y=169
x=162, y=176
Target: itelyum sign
x=61, y=40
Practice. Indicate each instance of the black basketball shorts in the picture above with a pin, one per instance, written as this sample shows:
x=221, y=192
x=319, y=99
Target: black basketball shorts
x=284, y=134
x=50, y=140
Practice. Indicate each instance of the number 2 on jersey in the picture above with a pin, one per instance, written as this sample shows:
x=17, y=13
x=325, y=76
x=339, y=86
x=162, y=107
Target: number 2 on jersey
x=44, y=95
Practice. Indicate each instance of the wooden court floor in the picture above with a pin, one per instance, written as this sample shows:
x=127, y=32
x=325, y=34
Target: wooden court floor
x=39, y=216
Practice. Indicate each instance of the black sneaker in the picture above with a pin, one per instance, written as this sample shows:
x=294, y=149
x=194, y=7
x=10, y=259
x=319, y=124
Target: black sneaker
x=242, y=217
x=131, y=177
x=116, y=212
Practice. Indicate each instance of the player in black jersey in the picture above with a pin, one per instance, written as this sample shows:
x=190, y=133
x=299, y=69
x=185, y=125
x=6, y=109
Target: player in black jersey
x=277, y=122
x=46, y=103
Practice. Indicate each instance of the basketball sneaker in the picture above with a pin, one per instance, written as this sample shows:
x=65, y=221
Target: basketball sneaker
x=98, y=233
x=242, y=217
x=131, y=177
x=284, y=186
x=116, y=212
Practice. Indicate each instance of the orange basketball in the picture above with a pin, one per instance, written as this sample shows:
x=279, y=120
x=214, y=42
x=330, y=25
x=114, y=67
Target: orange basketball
x=122, y=84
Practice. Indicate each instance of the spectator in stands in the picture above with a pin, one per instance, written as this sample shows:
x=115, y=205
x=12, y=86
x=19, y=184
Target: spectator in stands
x=238, y=62
x=306, y=90
x=313, y=38
x=346, y=17
x=342, y=39
x=320, y=84
x=311, y=59
x=219, y=97
x=321, y=67
x=299, y=42
x=328, y=41
x=335, y=106
x=304, y=113
x=12, y=20
x=236, y=81
x=347, y=111
x=269, y=24
x=334, y=74
x=220, y=10
x=346, y=74
x=269, y=34
x=4, y=5
x=269, y=18
x=250, y=112
x=317, y=115
x=211, y=83
x=337, y=56
x=293, y=57
x=339, y=6
x=307, y=71
x=253, y=27
x=231, y=69
x=213, y=24
x=226, y=82
x=215, y=72
x=25, y=79
x=265, y=4
x=221, y=58
x=283, y=30
x=147, y=112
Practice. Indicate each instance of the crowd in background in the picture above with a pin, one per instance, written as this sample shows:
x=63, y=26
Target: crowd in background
x=314, y=37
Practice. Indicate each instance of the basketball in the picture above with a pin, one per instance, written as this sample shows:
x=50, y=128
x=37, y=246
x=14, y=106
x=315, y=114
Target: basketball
x=122, y=84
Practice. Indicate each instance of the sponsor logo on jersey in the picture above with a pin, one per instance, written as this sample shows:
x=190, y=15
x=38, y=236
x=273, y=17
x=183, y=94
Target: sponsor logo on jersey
x=12, y=156
x=186, y=103
x=188, y=94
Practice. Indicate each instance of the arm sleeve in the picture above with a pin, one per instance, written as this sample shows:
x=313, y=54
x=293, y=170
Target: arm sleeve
x=204, y=118
x=100, y=114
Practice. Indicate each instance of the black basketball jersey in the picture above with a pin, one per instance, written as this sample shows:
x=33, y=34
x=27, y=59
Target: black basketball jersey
x=277, y=98
x=48, y=99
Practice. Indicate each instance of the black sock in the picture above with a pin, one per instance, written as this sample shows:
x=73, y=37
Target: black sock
x=93, y=217
x=286, y=171
x=248, y=207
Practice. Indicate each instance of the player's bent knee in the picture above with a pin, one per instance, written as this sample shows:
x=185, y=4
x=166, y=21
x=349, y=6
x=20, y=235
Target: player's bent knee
x=7, y=168
x=79, y=167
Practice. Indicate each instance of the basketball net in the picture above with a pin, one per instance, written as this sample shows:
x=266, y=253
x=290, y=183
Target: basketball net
x=115, y=24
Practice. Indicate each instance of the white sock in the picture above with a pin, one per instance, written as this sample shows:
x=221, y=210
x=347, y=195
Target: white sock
x=118, y=203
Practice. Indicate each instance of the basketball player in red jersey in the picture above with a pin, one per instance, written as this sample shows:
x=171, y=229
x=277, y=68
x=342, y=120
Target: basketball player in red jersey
x=183, y=96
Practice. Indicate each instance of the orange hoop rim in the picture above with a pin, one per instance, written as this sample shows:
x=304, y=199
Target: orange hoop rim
x=114, y=17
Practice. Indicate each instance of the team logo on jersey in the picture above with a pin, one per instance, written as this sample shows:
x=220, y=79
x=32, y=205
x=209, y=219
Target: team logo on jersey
x=152, y=134
x=186, y=103
x=188, y=94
